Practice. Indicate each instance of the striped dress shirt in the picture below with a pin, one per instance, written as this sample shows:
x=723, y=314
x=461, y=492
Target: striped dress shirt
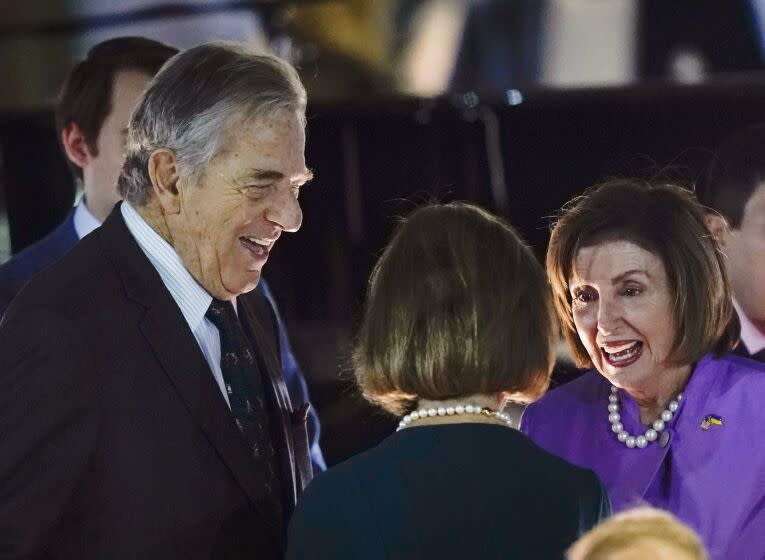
x=192, y=299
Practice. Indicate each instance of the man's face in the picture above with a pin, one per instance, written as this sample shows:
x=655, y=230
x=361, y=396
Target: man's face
x=745, y=248
x=101, y=173
x=230, y=220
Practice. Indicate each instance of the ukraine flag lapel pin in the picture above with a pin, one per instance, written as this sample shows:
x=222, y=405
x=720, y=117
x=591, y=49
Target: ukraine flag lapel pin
x=711, y=420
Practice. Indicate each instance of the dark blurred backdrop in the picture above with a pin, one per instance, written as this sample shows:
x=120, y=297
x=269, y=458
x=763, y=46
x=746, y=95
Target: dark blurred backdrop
x=520, y=112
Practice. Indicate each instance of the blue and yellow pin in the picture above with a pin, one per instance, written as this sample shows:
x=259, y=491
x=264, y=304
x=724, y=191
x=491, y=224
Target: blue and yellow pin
x=711, y=420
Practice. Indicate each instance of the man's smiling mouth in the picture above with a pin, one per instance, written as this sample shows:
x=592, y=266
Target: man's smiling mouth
x=257, y=249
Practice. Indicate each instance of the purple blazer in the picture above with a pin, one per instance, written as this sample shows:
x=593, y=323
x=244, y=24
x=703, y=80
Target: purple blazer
x=713, y=479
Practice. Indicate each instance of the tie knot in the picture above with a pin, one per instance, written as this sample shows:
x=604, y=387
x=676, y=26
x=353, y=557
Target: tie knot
x=221, y=314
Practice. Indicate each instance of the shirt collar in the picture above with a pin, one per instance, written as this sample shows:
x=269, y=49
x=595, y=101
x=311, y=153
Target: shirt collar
x=753, y=339
x=193, y=299
x=84, y=220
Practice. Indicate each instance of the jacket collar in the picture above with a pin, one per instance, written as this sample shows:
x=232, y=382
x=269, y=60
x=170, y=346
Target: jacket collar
x=628, y=473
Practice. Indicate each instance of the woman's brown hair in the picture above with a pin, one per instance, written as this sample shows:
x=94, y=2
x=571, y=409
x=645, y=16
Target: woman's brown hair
x=457, y=305
x=667, y=221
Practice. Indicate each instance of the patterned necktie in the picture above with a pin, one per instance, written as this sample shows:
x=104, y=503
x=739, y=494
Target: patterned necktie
x=247, y=399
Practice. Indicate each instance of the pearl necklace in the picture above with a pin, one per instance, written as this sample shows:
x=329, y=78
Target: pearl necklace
x=452, y=411
x=650, y=434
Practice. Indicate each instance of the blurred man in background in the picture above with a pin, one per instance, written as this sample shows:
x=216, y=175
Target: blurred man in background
x=92, y=113
x=735, y=189
x=91, y=121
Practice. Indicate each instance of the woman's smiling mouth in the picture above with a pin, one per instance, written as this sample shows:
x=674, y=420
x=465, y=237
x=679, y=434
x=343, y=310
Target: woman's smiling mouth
x=622, y=355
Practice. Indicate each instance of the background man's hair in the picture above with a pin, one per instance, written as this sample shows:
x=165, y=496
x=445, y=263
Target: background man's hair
x=736, y=171
x=85, y=98
x=188, y=106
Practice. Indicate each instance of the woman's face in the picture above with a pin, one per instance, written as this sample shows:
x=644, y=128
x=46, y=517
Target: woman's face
x=622, y=308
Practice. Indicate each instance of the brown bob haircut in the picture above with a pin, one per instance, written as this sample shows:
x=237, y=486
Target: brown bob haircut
x=457, y=305
x=86, y=96
x=667, y=221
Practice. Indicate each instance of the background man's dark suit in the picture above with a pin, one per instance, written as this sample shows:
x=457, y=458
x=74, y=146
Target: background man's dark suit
x=22, y=266
x=115, y=440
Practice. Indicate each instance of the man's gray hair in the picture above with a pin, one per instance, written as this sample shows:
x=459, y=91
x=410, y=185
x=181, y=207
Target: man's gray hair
x=189, y=103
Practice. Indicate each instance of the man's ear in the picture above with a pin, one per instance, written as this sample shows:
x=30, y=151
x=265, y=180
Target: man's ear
x=76, y=145
x=163, y=172
x=719, y=227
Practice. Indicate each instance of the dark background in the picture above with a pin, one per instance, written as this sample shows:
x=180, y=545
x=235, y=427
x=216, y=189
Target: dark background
x=375, y=160
x=495, y=136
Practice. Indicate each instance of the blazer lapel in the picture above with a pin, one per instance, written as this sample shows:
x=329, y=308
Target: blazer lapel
x=180, y=357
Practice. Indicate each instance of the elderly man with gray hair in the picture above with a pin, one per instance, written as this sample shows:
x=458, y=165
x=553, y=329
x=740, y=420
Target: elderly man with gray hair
x=143, y=411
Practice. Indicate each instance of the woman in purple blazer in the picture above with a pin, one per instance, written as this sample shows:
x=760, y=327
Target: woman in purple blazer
x=666, y=417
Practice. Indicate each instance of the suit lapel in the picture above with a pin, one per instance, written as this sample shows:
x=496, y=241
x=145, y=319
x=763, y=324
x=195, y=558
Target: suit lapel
x=180, y=357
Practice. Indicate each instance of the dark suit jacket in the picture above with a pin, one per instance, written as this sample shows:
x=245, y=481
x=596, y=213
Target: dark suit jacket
x=115, y=440
x=15, y=273
x=452, y=491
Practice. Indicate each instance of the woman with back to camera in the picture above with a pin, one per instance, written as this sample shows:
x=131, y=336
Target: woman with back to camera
x=666, y=417
x=458, y=320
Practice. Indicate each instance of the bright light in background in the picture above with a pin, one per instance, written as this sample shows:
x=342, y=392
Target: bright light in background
x=589, y=42
x=429, y=61
x=236, y=24
x=514, y=97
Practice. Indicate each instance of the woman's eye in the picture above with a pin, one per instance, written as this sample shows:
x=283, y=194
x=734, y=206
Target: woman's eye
x=631, y=292
x=583, y=296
